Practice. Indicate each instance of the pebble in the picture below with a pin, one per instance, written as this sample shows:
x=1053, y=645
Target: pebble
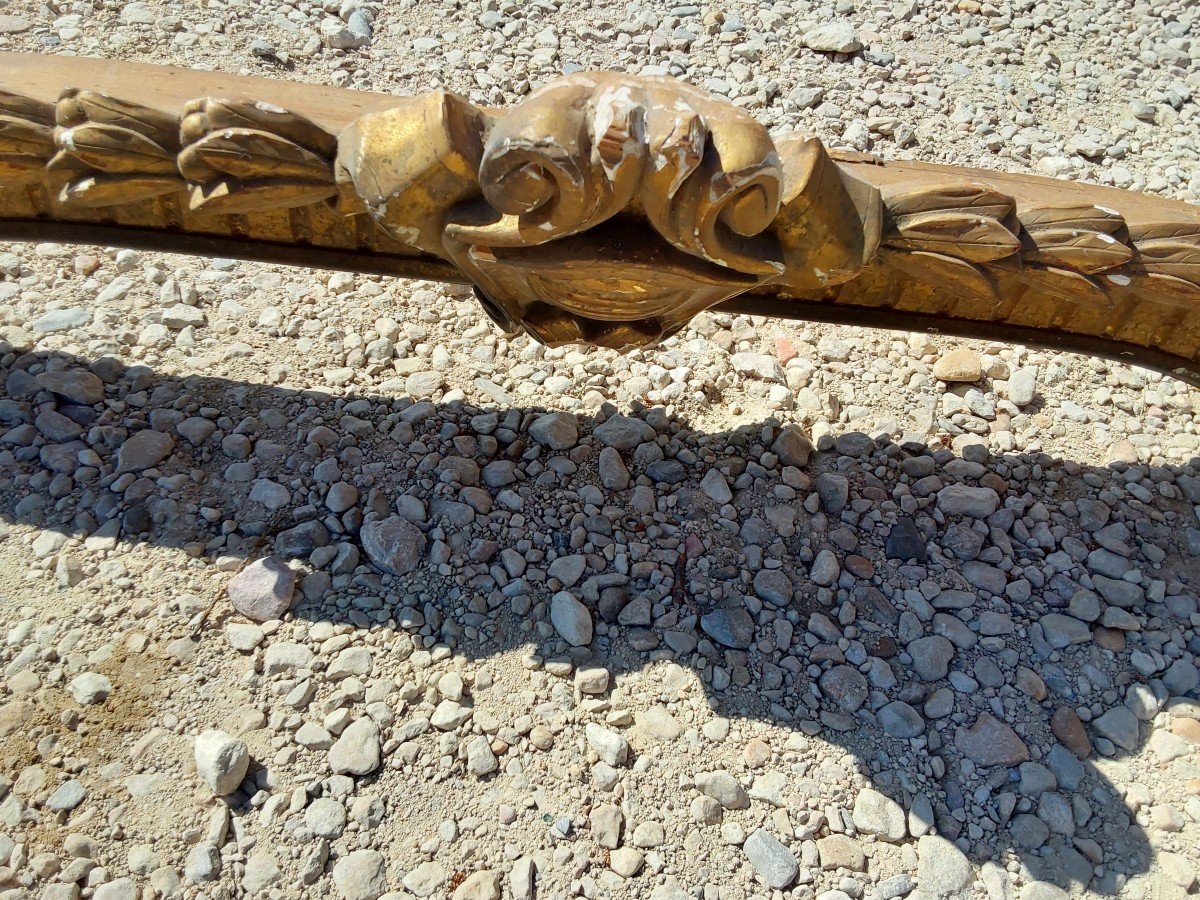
x=942, y=869
x=959, y=365
x=623, y=432
x=1119, y=726
x=990, y=742
x=965, y=500
x=361, y=875
x=557, y=431
x=732, y=628
x=393, y=544
x=832, y=37
x=143, y=450
x=221, y=761
x=793, y=446
x=263, y=590
x=572, y=620
x=89, y=688
x=357, y=750
x=67, y=796
x=898, y=719
x=479, y=886
x=877, y=814
x=724, y=788
x=774, y=863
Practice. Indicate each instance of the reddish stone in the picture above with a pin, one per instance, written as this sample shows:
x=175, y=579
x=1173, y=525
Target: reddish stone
x=784, y=350
x=880, y=645
x=756, y=753
x=1188, y=729
x=1110, y=639
x=859, y=566
x=1070, y=732
x=86, y=264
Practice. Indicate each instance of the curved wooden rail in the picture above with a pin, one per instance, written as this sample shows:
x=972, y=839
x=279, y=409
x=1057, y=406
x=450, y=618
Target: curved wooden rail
x=604, y=208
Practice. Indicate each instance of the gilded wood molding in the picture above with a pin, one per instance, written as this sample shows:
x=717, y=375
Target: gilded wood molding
x=604, y=208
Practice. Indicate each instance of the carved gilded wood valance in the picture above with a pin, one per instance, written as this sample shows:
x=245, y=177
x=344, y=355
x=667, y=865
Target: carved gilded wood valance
x=605, y=208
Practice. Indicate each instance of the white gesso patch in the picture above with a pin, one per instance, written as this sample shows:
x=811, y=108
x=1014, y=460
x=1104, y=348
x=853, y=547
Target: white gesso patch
x=269, y=107
x=1122, y=280
x=1107, y=238
x=407, y=233
x=1107, y=210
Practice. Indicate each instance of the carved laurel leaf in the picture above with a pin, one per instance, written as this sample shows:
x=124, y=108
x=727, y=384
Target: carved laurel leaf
x=25, y=148
x=26, y=138
x=961, y=196
x=965, y=220
x=243, y=156
x=206, y=115
x=1172, y=292
x=244, y=153
x=970, y=237
x=92, y=191
x=1087, y=252
x=1082, y=238
x=1170, y=249
x=111, y=151
x=115, y=150
x=1063, y=286
x=240, y=170
x=77, y=107
x=236, y=198
x=18, y=106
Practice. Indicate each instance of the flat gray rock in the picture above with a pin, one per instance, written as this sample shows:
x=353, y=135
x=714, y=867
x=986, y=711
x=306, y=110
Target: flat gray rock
x=990, y=742
x=571, y=619
x=732, y=628
x=773, y=862
x=143, y=450
x=393, y=544
x=880, y=815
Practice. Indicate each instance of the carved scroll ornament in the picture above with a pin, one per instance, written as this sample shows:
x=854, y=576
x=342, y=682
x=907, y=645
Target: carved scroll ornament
x=604, y=208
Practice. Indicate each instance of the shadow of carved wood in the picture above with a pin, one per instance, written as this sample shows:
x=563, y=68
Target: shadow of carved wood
x=604, y=208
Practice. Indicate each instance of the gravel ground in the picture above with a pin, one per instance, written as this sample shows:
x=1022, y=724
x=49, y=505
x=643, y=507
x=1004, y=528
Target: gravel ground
x=314, y=586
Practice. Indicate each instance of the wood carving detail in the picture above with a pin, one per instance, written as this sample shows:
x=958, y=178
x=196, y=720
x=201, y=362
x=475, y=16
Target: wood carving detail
x=240, y=157
x=609, y=209
x=111, y=152
x=26, y=139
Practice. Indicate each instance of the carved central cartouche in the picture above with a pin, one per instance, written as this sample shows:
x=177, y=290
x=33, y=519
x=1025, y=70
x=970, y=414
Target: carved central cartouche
x=605, y=208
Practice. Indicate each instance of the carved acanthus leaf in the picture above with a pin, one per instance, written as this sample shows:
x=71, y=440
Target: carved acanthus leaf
x=26, y=139
x=241, y=157
x=1171, y=249
x=968, y=221
x=111, y=151
x=1081, y=238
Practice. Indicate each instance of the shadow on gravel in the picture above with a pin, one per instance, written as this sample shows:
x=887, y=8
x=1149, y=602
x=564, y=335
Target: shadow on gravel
x=659, y=559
